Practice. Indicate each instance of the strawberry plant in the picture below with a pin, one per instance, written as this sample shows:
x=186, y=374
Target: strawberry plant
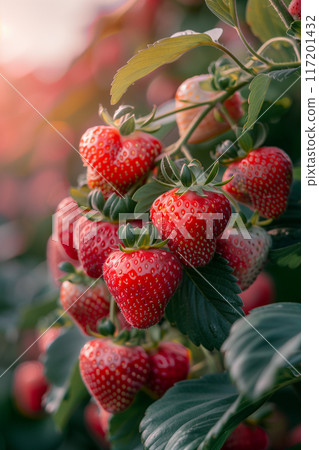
x=162, y=241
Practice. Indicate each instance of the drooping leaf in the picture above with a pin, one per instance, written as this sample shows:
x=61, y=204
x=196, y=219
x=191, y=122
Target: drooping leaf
x=124, y=427
x=289, y=256
x=258, y=90
x=262, y=351
x=146, y=195
x=184, y=416
x=155, y=55
x=221, y=9
x=206, y=304
x=62, y=401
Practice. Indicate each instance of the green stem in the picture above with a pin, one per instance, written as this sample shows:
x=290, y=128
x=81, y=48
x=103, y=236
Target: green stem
x=228, y=117
x=233, y=11
x=280, y=39
x=112, y=310
x=282, y=12
x=233, y=57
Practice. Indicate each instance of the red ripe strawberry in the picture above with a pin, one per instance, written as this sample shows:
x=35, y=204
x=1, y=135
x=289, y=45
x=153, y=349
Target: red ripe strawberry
x=55, y=256
x=295, y=9
x=187, y=221
x=117, y=162
x=113, y=373
x=192, y=91
x=169, y=364
x=260, y=293
x=96, y=420
x=48, y=337
x=246, y=256
x=142, y=283
x=29, y=387
x=66, y=216
x=246, y=437
x=261, y=180
x=86, y=305
x=97, y=240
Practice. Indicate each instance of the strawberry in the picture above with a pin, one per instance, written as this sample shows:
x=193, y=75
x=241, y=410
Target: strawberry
x=96, y=420
x=184, y=220
x=97, y=240
x=29, y=388
x=142, y=283
x=169, y=364
x=48, y=337
x=295, y=9
x=55, y=256
x=192, y=91
x=261, y=180
x=260, y=293
x=86, y=305
x=113, y=373
x=246, y=437
x=246, y=256
x=117, y=162
x=66, y=216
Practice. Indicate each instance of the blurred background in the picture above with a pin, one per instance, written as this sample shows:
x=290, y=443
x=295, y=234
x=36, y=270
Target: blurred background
x=57, y=61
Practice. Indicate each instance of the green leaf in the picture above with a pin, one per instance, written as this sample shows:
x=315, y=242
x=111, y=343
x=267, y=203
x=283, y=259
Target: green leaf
x=262, y=351
x=154, y=56
x=263, y=20
x=62, y=354
x=80, y=195
x=124, y=427
x=244, y=139
x=146, y=195
x=289, y=256
x=258, y=89
x=206, y=304
x=221, y=9
x=184, y=416
x=281, y=75
x=295, y=30
x=63, y=401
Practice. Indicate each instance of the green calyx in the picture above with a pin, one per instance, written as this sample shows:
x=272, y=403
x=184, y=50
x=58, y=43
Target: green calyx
x=111, y=209
x=126, y=122
x=191, y=177
x=139, y=238
x=76, y=276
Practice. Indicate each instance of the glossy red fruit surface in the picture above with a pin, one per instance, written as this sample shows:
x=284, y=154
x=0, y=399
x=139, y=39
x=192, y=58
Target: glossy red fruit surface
x=66, y=216
x=113, y=373
x=142, y=283
x=260, y=293
x=246, y=437
x=169, y=364
x=86, y=305
x=191, y=223
x=246, y=256
x=117, y=162
x=262, y=181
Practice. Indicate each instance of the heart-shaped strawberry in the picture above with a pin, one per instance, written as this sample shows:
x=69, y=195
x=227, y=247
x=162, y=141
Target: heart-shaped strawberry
x=261, y=180
x=115, y=162
x=192, y=91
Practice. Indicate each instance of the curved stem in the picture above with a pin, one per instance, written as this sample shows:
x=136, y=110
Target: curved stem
x=233, y=57
x=228, y=117
x=233, y=11
x=280, y=39
x=112, y=310
x=282, y=12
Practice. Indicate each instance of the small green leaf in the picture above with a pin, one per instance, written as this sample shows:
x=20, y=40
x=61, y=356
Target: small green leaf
x=244, y=139
x=264, y=20
x=80, y=195
x=289, y=256
x=213, y=173
x=206, y=304
x=258, y=89
x=122, y=111
x=128, y=126
x=221, y=9
x=124, y=427
x=154, y=56
x=262, y=351
x=295, y=30
x=146, y=195
x=281, y=75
